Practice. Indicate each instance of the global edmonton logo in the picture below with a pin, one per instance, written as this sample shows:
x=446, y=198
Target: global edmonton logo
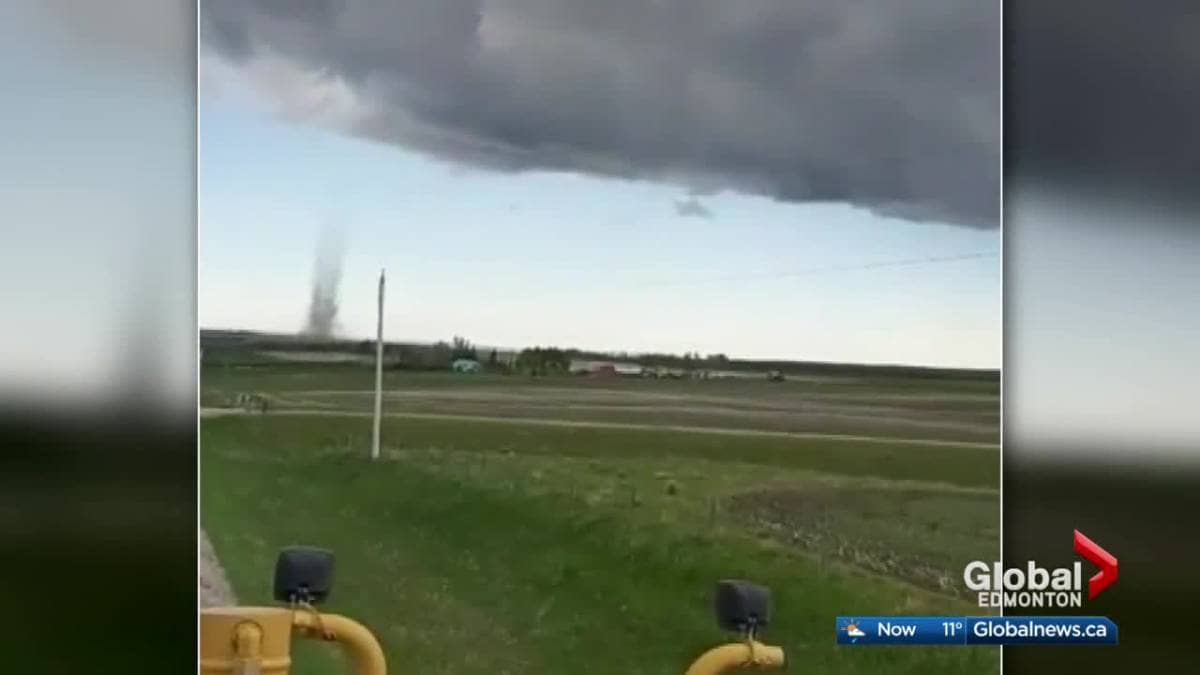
x=1036, y=586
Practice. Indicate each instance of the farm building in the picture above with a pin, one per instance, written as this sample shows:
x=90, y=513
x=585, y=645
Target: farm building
x=628, y=369
x=465, y=366
x=603, y=370
x=606, y=368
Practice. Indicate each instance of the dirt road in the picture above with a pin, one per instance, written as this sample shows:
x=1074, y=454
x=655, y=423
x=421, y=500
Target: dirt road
x=215, y=590
x=216, y=412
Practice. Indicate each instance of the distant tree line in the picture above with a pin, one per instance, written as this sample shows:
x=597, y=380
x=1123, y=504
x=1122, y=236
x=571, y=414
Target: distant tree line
x=685, y=361
x=243, y=346
x=543, y=361
x=441, y=355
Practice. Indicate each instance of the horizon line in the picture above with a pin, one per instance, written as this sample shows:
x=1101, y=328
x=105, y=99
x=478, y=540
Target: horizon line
x=607, y=352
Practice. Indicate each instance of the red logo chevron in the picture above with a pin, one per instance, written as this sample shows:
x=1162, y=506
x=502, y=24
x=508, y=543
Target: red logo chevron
x=1100, y=558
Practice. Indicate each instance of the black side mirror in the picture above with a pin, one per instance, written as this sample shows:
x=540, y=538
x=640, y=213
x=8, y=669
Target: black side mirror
x=303, y=574
x=742, y=607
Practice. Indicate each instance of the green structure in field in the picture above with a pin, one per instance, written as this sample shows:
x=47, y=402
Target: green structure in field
x=465, y=366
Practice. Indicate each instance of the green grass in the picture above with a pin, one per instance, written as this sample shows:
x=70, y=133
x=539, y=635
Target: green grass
x=985, y=429
x=507, y=548
x=964, y=466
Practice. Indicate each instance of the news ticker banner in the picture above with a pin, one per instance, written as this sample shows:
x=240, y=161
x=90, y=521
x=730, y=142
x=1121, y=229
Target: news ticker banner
x=975, y=630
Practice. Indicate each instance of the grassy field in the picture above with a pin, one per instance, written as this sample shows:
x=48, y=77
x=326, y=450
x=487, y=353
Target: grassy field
x=909, y=408
x=506, y=531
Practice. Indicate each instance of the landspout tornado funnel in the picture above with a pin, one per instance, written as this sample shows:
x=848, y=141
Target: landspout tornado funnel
x=327, y=279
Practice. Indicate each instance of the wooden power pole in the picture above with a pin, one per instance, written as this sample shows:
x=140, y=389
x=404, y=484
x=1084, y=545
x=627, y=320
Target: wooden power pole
x=378, y=375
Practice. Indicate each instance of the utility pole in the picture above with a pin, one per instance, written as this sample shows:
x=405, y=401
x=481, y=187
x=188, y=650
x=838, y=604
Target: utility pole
x=378, y=374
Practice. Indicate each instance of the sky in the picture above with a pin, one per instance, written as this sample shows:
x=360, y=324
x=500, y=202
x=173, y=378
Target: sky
x=94, y=105
x=580, y=231
x=1102, y=301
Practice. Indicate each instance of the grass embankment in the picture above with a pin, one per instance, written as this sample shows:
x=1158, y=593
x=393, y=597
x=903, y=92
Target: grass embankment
x=502, y=548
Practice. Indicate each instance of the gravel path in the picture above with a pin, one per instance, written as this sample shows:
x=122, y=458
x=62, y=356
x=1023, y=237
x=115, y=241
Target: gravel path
x=215, y=590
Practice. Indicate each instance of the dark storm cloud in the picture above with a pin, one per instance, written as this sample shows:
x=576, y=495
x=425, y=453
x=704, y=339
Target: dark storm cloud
x=692, y=207
x=1103, y=97
x=891, y=105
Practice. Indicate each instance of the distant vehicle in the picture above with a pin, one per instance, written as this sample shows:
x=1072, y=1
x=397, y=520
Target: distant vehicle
x=775, y=376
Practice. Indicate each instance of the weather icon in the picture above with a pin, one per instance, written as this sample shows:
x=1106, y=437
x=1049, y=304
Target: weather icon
x=848, y=631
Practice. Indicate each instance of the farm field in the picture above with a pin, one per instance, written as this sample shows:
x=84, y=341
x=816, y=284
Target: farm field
x=559, y=524
x=904, y=408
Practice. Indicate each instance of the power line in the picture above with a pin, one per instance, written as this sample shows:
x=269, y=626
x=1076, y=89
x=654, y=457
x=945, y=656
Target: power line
x=622, y=283
x=845, y=267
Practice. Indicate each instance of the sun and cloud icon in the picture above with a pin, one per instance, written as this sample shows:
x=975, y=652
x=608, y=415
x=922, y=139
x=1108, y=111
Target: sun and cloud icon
x=853, y=631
